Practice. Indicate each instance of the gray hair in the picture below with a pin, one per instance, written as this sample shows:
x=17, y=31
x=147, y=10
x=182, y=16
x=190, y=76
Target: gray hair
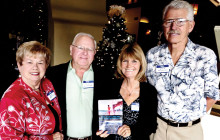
x=83, y=34
x=180, y=4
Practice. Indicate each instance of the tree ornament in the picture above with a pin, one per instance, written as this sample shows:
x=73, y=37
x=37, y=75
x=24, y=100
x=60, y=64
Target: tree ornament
x=112, y=44
x=118, y=24
x=116, y=10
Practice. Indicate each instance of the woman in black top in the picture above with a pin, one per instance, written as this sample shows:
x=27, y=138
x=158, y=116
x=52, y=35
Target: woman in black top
x=139, y=97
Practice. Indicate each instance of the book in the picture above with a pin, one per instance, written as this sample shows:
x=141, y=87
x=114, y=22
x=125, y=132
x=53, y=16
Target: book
x=110, y=115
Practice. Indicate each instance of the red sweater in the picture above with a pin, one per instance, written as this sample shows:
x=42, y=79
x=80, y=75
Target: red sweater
x=24, y=113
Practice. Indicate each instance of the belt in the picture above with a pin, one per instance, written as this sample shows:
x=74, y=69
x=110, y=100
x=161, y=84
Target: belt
x=171, y=123
x=82, y=138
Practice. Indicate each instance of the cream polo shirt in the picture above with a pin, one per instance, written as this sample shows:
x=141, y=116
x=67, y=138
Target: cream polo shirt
x=79, y=102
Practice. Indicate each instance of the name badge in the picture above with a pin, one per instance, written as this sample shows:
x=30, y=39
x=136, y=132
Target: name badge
x=88, y=84
x=135, y=107
x=162, y=68
x=51, y=95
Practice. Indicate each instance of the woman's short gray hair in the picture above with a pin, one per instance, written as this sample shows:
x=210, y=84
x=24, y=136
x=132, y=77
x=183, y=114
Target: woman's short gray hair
x=180, y=4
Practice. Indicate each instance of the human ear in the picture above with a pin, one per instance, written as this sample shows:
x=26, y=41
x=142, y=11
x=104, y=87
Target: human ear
x=191, y=26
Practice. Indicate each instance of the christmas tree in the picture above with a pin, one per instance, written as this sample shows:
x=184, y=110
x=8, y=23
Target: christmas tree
x=113, y=39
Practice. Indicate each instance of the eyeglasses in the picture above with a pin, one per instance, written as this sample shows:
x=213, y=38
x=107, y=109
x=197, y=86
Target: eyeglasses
x=179, y=22
x=81, y=48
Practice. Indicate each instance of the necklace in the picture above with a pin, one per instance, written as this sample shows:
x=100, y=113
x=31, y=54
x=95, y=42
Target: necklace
x=130, y=92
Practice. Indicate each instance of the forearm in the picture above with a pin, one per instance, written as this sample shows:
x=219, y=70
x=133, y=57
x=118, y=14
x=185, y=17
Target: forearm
x=210, y=103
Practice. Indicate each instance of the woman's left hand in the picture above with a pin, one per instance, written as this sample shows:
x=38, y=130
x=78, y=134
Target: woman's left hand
x=58, y=136
x=124, y=131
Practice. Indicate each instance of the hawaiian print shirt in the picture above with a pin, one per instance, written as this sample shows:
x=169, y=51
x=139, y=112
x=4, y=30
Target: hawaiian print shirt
x=183, y=88
x=24, y=113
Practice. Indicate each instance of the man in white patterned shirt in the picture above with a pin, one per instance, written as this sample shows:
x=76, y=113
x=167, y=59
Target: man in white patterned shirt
x=185, y=76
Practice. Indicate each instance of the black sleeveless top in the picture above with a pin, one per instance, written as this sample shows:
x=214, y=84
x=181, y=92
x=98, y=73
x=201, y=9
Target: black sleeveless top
x=130, y=117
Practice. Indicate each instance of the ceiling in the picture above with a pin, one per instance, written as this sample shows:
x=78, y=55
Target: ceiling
x=95, y=6
x=79, y=11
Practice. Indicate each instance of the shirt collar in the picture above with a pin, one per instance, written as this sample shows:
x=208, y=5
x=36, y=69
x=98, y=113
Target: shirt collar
x=190, y=47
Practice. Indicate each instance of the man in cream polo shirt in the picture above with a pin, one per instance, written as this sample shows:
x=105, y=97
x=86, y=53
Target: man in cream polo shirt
x=74, y=85
x=80, y=103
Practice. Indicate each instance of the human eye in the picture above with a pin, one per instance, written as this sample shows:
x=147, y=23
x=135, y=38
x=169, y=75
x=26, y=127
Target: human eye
x=80, y=47
x=90, y=49
x=134, y=61
x=41, y=62
x=181, y=20
x=29, y=61
x=125, y=60
x=169, y=21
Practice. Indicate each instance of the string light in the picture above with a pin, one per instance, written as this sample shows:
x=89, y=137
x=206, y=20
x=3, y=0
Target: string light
x=195, y=8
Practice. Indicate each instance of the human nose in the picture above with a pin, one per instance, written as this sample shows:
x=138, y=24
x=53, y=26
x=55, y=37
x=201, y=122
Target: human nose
x=129, y=64
x=85, y=51
x=35, y=66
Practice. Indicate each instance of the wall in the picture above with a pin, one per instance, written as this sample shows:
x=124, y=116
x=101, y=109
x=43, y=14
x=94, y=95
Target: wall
x=132, y=18
x=217, y=37
x=210, y=125
x=63, y=37
x=70, y=17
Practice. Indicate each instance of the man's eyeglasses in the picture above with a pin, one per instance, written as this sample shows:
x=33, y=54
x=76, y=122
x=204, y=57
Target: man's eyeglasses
x=81, y=48
x=179, y=22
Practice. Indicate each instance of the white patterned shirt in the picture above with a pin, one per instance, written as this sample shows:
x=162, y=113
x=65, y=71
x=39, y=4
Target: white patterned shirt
x=183, y=88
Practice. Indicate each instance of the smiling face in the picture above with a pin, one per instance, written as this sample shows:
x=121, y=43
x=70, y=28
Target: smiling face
x=82, y=58
x=33, y=69
x=175, y=34
x=130, y=67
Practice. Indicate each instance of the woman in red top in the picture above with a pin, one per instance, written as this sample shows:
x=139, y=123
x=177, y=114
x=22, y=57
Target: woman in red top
x=29, y=108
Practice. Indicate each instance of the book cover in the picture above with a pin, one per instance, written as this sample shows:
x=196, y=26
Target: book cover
x=110, y=115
